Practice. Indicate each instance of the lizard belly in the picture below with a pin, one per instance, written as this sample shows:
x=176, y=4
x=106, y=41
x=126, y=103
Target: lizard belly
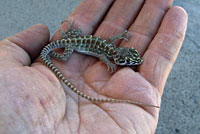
x=90, y=53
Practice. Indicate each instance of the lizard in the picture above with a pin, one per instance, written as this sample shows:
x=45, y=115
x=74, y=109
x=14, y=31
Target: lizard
x=72, y=40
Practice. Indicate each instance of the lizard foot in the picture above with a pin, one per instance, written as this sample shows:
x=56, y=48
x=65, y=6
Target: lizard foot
x=111, y=68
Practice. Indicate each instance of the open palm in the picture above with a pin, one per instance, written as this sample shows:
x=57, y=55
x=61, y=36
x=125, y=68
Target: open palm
x=32, y=99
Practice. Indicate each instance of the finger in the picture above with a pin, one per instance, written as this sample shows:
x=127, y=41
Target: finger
x=147, y=23
x=162, y=52
x=25, y=45
x=86, y=16
x=119, y=17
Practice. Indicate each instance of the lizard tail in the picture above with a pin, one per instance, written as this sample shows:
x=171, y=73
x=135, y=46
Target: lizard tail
x=45, y=57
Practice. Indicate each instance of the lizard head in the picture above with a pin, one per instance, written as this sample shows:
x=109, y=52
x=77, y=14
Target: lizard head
x=127, y=57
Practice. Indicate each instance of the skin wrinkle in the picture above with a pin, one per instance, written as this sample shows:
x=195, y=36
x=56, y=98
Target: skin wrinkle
x=100, y=109
x=45, y=104
x=156, y=60
x=65, y=117
x=44, y=107
x=82, y=67
x=176, y=35
x=100, y=106
x=70, y=129
x=81, y=22
x=134, y=127
x=93, y=81
x=110, y=115
x=136, y=28
x=141, y=32
x=109, y=18
x=102, y=91
x=85, y=18
x=156, y=86
x=80, y=85
x=175, y=31
x=92, y=84
x=88, y=64
x=138, y=41
x=166, y=22
x=20, y=114
x=123, y=129
x=163, y=8
x=113, y=30
x=60, y=122
x=69, y=72
x=156, y=94
x=108, y=111
x=89, y=24
x=49, y=75
x=79, y=125
x=120, y=17
x=148, y=70
x=15, y=41
x=165, y=54
x=147, y=118
x=90, y=90
x=114, y=26
x=80, y=121
x=139, y=29
x=35, y=32
x=83, y=87
x=148, y=129
x=52, y=110
x=11, y=46
x=80, y=71
x=130, y=71
x=151, y=130
x=35, y=122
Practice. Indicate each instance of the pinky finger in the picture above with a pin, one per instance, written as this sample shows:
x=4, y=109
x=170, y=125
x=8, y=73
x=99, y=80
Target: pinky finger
x=163, y=50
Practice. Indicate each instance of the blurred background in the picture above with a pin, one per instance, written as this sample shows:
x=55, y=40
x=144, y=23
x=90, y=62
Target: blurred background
x=180, y=111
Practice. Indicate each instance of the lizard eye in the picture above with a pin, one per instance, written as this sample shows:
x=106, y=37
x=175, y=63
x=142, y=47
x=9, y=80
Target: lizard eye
x=120, y=62
x=128, y=61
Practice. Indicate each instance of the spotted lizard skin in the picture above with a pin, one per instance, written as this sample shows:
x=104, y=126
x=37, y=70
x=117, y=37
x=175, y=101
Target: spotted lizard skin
x=94, y=46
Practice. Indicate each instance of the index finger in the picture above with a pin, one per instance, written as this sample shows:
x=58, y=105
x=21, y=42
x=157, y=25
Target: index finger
x=86, y=16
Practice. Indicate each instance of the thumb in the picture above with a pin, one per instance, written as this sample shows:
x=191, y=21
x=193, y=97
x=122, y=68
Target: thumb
x=24, y=46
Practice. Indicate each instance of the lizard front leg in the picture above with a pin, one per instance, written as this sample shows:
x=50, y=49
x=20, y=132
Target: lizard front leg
x=111, y=67
x=124, y=35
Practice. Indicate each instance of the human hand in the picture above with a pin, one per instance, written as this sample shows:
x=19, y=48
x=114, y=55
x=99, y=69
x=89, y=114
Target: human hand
x=32, y=99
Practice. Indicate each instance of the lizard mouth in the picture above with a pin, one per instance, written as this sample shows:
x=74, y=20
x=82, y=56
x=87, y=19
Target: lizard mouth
x=134, y=63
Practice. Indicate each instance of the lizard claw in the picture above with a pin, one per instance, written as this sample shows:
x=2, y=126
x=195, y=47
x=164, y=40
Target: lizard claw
x=125, y=35
x=112, y=68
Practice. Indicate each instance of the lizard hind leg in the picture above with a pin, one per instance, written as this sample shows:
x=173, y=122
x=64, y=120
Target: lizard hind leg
x=71, y=32
x=63, y=57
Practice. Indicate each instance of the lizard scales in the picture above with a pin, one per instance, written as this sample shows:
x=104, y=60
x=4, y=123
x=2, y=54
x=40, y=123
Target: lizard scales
x=94, y=46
